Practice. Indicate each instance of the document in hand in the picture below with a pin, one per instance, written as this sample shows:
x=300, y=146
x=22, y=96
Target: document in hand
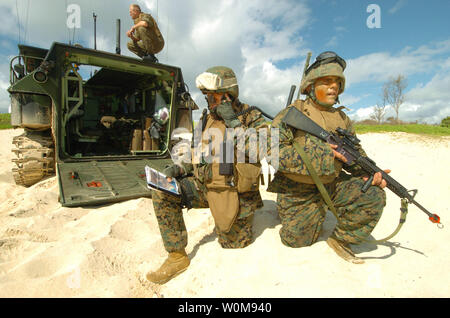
x=158, y=181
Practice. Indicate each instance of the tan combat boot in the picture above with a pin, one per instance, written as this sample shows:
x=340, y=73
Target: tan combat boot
x=175, y=264
x=343, y=250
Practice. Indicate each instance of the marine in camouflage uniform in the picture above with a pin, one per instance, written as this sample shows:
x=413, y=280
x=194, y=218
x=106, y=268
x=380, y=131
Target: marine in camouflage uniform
x=300, y=204
x=232, y=206
x=146, y=38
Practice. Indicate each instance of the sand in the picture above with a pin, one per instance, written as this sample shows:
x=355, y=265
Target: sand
x=50, y=251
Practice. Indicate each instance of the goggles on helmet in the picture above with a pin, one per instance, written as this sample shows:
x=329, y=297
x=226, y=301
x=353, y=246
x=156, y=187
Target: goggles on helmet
x=325, y=58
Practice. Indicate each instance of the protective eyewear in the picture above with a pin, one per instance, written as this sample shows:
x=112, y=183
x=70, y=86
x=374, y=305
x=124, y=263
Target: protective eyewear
x=325, y=58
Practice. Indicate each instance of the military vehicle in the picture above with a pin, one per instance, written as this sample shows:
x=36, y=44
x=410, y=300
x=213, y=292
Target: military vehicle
x=95, y=119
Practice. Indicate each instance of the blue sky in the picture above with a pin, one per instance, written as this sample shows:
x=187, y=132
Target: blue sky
x=266, y=43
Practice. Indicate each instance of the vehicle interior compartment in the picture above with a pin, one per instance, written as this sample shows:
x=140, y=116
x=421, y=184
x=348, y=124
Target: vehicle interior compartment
x=114, y=113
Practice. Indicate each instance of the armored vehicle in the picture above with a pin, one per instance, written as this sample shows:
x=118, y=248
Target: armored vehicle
x=94, y=118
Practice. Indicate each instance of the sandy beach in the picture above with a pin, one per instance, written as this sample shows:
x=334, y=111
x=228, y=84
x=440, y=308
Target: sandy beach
x=47, y=250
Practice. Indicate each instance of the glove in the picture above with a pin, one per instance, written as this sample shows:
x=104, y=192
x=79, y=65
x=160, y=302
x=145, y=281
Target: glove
x=173, y=171
x=225, y=111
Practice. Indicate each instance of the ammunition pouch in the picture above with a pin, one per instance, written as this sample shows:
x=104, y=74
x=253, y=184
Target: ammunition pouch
x=248, y=176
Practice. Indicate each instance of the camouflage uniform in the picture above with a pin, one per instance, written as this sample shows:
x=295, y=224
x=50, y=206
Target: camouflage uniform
x=300, y=205
x=150, y=39
x=230, y=189
x=168, y=209
x=173, y=230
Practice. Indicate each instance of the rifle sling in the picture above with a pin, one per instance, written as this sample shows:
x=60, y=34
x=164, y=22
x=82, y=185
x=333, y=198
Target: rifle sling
x=316, y=179
x=403, y=213
x=329, y=203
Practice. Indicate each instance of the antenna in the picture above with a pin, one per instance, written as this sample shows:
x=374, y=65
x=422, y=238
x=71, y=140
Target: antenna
x=167, y=48
x=73, y=36
x=68, y=29
x=308, y=57
x=26, y=25
x=18, y=19
x=118, y=36
x=95, y=30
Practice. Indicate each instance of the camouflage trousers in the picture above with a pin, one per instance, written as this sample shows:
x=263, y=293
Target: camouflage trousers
x=168, y=210
x=302, y=212
x=145, y=45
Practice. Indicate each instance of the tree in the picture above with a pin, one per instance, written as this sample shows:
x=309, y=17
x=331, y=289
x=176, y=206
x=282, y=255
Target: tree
x=379, y=110
x=378, y=113
x=393, y=92
x=445, y=122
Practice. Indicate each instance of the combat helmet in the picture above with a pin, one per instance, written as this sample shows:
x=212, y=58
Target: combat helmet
x=218, y=79
x=327, y=64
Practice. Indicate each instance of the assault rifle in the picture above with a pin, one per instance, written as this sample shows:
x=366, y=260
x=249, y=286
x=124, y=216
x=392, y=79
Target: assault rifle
x=347, y=146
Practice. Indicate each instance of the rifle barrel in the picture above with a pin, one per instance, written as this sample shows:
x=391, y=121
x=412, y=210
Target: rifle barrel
x=308, y=57
x=291, y=95
x=396, y=187
x=432, y=217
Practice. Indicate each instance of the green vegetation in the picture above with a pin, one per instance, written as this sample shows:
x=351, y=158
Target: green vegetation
x=5, y=121
x=446, y=122
x=408, y=128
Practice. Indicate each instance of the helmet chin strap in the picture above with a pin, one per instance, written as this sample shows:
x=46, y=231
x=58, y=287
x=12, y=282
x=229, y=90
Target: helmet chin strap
x=312, y=94
x=210, y=109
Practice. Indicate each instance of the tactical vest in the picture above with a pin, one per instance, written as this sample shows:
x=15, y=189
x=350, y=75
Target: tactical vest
x=327, y=119
x=222, y=190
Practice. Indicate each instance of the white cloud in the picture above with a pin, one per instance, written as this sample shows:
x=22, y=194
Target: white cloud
x=340, y=29
x=252, y=37
x=397, y=6
x=268, y=87
x=347, y=99
x=380, y=66
x=428, y=103
x=248, y=36
x=446, y=64
x=362, y=113
x=4, y=95
x=332, y=42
